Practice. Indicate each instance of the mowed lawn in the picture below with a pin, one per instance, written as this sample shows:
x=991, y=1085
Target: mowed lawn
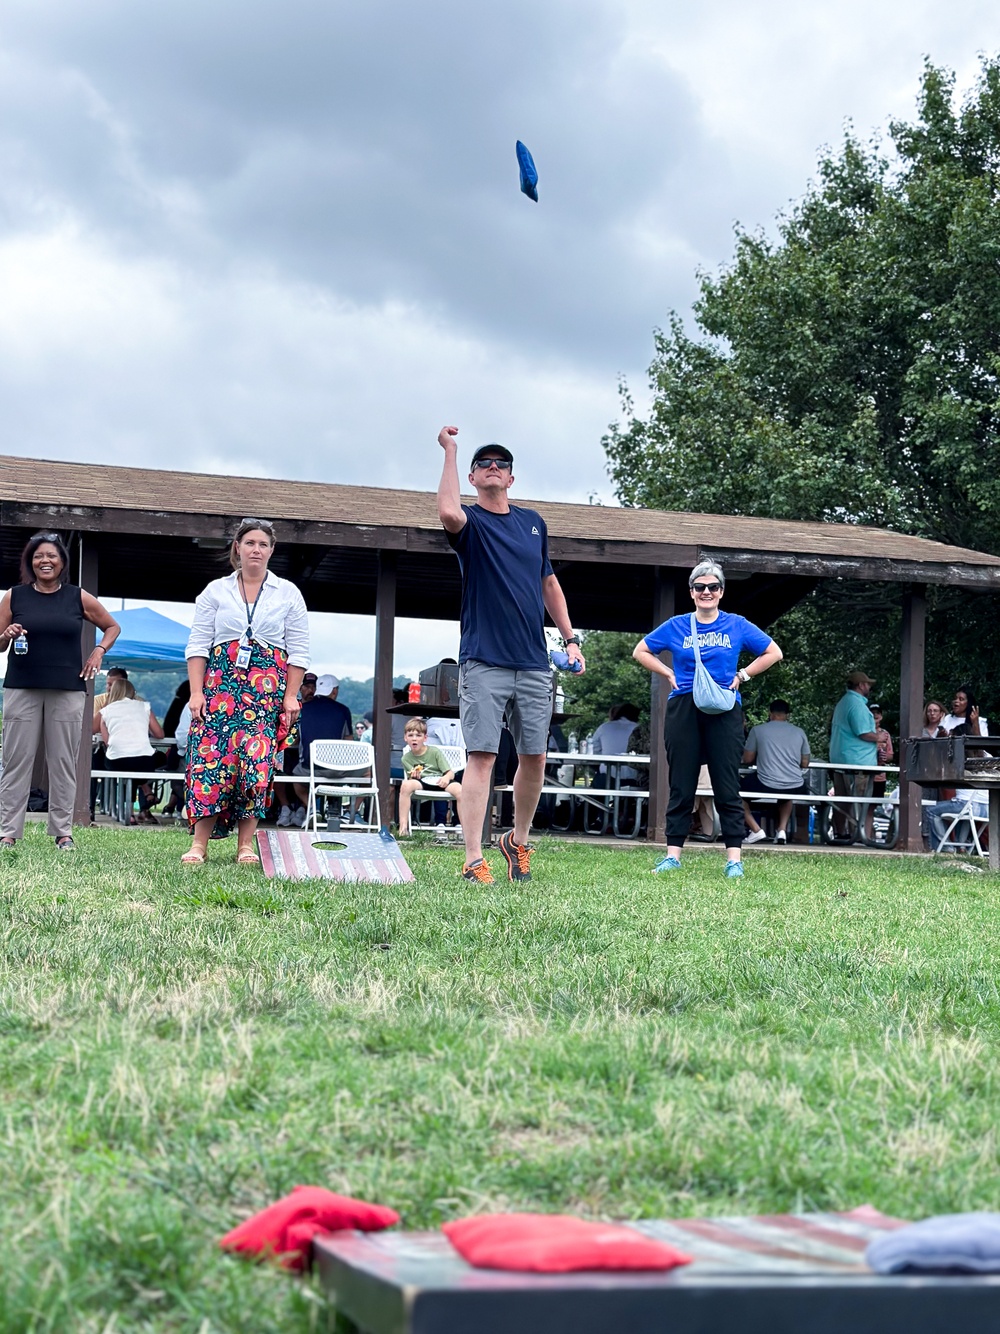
x=179, y=1048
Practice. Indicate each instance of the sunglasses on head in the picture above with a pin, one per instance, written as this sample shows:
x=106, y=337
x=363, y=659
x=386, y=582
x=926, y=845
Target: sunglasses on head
x=502, y=464
x=706, y=588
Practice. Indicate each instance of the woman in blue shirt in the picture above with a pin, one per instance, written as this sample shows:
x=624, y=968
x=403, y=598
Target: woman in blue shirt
x=694, y=738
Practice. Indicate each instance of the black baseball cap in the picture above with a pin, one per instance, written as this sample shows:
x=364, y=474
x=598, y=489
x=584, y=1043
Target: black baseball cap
x=501, y=450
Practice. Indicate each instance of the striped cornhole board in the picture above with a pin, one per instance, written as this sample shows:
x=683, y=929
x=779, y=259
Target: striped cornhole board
x=783, y=1274
x=289, y=854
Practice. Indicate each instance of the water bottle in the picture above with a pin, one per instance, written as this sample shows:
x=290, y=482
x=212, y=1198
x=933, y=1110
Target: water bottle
x=561, y=660
x=812, y=824
x=21, y=644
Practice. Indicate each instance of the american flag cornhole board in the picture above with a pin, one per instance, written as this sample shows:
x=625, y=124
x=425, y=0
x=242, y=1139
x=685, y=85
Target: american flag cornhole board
x=780, y=1274
x=288, y=854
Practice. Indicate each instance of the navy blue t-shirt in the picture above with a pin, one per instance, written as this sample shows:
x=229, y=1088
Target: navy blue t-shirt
x=504, y=558
x=323, y=719
x=720, y=642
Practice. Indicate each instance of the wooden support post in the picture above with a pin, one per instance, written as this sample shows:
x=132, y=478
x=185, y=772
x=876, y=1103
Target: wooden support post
x=659, y=777
x=86, y=554
x=911, y=711
x=385, y=640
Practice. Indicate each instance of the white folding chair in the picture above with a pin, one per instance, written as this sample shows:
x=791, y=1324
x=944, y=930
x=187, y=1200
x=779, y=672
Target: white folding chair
x=344, y=756
x=456, y=759
x=973, y=821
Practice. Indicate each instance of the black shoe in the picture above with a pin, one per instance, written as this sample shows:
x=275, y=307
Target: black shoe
x=517, y=856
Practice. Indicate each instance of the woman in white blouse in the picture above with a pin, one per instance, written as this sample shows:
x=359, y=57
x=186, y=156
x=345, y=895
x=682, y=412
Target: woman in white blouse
x=248, y=650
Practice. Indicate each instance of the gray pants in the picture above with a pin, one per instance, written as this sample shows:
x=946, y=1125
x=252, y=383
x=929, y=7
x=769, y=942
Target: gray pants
x=53, y=718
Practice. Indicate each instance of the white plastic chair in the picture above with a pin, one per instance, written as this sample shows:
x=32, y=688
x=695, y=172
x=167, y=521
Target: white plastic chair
x=974, y=822
x=456, y=759
x=343, y=755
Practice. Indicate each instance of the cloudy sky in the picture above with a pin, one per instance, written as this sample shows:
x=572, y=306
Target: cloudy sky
x=287, y=239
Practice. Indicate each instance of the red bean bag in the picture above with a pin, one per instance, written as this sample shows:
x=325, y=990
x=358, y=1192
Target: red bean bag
x=556, y=1244
x=285, y=1230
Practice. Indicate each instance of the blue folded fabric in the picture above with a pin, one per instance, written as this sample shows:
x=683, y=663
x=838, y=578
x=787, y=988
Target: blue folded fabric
x=950, y=1241
x=529, y=174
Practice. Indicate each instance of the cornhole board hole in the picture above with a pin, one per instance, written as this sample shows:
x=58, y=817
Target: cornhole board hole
x=290, y=854
x=786, y=1274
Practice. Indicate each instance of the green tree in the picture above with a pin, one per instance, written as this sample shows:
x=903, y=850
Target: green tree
x=848, y=370
x=612, y=677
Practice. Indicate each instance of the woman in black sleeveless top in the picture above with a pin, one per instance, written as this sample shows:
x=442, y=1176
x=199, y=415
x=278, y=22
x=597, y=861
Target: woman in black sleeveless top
x=45, y=688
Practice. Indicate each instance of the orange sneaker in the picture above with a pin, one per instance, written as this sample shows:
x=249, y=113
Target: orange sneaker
x=517, y=856
x=479, y=873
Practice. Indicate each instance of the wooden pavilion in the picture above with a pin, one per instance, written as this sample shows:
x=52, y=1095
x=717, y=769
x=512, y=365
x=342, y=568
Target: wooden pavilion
x=146, y=533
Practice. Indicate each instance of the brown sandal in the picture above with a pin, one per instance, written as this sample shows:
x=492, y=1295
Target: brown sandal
x=194, y=857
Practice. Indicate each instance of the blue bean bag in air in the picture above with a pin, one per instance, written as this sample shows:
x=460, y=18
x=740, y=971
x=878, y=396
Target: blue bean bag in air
x=529, y=172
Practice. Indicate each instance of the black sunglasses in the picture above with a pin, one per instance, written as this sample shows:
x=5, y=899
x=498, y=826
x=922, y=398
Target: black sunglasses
x=706, y=588
x=502, y=464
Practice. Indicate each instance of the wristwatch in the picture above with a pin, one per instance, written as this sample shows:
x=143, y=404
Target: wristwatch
x=573, y=639
x=744, y=675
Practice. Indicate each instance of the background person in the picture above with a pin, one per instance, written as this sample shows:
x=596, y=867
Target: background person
x=507, y=586
x=45, y=689
x=126, y=725
x=424, y=767
x=247, y=652
x=690, y=734
x=114, y=674
x=323, y=718
x=934, y=713
x=883, y=749
x=965, y=710
x=852, y=741
x=781, y=752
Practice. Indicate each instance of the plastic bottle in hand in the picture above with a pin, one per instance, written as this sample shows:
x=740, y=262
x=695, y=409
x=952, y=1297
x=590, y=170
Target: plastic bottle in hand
x=561, y=660
x=21, y=644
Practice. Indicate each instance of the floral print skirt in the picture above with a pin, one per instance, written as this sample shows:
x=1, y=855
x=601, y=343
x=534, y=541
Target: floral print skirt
x=232, y=752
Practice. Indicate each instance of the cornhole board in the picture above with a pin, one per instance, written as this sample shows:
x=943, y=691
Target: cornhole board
x=288, y=854
x=784, y=1274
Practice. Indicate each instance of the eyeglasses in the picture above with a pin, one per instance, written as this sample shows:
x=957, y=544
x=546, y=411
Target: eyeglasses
x=502, y=464
x=706, y=588
x=265, y=525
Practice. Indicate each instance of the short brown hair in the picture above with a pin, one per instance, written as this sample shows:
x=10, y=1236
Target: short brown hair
x=415, y=724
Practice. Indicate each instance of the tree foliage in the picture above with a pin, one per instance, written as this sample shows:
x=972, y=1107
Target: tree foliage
x=848, y=370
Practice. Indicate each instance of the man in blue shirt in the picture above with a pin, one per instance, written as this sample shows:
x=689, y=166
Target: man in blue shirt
x=507, y=587
x=323, y=718
x=852, y=741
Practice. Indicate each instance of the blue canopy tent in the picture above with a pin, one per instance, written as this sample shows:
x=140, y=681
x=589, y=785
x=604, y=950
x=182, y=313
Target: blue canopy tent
x=148, y=642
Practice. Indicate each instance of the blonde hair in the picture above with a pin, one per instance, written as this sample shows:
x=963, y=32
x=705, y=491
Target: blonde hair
x=120, y=690
x=415, y=725
x=248, y=526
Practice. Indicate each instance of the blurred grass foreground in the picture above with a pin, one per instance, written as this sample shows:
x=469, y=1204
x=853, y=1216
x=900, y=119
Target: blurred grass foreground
x=179, y=1048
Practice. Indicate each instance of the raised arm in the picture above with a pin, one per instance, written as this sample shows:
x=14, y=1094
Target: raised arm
x=449, y=496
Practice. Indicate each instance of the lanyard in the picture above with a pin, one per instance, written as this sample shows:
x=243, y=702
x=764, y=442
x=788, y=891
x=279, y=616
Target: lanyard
x=250, y=610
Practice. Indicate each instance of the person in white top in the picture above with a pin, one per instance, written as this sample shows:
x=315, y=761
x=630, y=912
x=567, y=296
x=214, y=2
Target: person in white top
x=246, y=656
x=965, y=709
x=126, y=724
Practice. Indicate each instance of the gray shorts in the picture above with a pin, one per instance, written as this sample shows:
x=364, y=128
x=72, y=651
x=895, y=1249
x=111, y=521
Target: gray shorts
x=486, y=693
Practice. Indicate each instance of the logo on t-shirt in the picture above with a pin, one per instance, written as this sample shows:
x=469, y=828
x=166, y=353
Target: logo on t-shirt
x=710, y=639
x=535, y=531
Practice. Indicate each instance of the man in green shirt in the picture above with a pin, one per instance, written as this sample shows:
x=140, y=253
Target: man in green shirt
x=852, y=741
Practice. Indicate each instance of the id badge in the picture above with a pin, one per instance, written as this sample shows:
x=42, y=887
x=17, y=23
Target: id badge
x=243, y=657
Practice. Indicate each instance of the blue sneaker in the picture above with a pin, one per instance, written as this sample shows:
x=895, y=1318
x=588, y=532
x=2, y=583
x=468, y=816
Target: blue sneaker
x=668, y=864
x=734, y=870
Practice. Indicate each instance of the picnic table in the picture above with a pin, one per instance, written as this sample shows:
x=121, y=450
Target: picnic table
x=779, y=1274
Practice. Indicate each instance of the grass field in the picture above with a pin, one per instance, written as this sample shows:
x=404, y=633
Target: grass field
x=181, y=1047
